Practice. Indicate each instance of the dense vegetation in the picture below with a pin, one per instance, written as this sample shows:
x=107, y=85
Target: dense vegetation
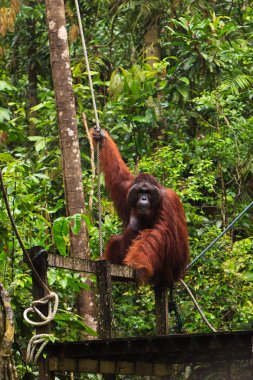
x=184, y=116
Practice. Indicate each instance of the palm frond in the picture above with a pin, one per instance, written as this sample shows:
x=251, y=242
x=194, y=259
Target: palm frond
x=236, y=81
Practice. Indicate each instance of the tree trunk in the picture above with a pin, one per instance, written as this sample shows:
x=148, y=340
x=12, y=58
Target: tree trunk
x=71, y=161
x=7, y=367
x=32, y=76
x=151, y=43
x=152, y=51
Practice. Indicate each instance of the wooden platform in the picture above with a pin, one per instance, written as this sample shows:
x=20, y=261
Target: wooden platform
x=117, y=272
x=151, y=356
x=148, y=355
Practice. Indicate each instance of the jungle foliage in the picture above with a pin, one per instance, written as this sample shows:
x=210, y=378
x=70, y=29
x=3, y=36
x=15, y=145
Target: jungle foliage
x=187, y=119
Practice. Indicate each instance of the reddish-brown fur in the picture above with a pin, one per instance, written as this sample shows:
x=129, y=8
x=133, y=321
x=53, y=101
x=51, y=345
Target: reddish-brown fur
x=159, y=254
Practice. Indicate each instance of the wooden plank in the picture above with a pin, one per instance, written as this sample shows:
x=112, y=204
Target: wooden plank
x=38, y=257
x=118, y=272
x=88, y=366
x=109, y=367
x=162, y=311
x=125, y=368
x=104, y=299
x=161, y=369
x=72, y=263
x=172, y=349
x=144, y=368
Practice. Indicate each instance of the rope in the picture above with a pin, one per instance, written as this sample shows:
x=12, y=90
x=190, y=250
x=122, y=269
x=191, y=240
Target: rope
x=44, y=286
x=33, y=352
x=203, y=253
x=52, y=300
x=100, y=235
x=42, y=339
x=197, y=306
x=221, y=234
x=97, y=126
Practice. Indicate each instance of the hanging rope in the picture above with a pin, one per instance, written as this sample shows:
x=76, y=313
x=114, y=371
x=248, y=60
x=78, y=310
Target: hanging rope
x=203, y=253
x=33, y=352
x=44, y=286
x=197, y=306
x=51, y=298
x=38, y=342
x=97, y=126
x=221, y=234
x=100, y=235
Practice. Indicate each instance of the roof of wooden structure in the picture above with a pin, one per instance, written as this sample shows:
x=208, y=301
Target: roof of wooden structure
x=148, y=355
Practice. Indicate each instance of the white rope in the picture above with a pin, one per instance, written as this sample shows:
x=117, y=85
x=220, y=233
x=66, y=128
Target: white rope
x=87, y=66
x=197, y=306
x=99, y=204
x=38, y=342
x=53, y=301
x=97, y=127
x=33, y=352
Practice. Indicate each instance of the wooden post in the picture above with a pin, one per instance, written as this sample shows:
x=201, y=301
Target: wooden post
x=161, y=311
x=39, y=258
x=104, y=304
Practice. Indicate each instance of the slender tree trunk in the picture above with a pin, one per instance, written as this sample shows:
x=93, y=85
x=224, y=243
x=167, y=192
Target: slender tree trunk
x=32, y=76
x=151, y=43
x=71, y=161
x=152, y=52
x=7, y=367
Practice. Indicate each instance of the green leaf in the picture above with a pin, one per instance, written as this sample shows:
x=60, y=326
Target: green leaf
x=63, y=282
x=249, y=276
x=116, y=84
x=76, y=227
x=162, y=84
x=185, y=80
x=141, y=119
x=5, y=114
x=40, y=142
x=6, y=157
x=38, y=107
x=48, y=104
x=5, y=86
x=183, y=91
x=136, y=90
x=41, y=175
x=61, y=234
x=61, y=244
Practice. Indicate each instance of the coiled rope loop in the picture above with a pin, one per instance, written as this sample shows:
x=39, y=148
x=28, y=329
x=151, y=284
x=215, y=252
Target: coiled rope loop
x=38, y=342
x=33, y=352
x=52, y=300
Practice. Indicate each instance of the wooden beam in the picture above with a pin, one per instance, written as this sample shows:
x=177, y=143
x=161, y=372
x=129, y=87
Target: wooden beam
x=171, y=349
x=118, y=272
x=109, y=367
x=104, y=302
x=162, y=311
x=38, y=257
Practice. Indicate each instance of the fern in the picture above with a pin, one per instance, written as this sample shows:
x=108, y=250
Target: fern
x=236, y=81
